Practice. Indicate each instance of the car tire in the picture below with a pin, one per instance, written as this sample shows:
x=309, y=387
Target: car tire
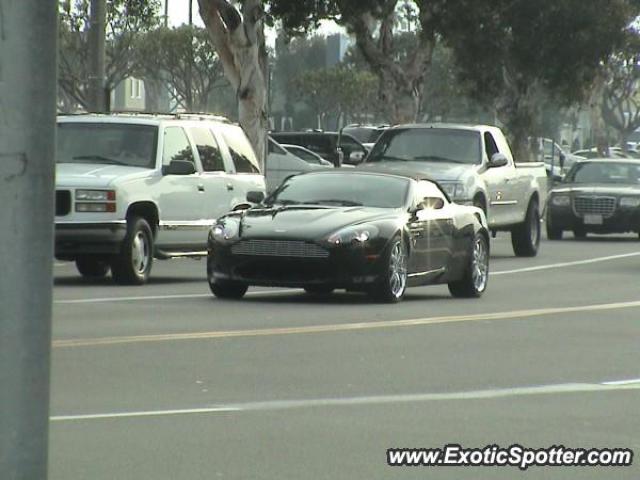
x=525, y=238
x=393, y=285
x=476, y=274
x=132, y=265
x=579, y=233
x=228, y=290
x=92, y=267
x=553, y=233
x=319, y=289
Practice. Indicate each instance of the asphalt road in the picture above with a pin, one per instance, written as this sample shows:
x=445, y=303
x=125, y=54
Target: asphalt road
x=166, y=382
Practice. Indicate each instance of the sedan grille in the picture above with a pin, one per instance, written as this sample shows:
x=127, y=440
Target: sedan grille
x=604, y=206
x=279, y=248
x=63, y=202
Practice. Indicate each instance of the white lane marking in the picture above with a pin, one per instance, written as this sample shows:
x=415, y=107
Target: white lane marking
x=364, y=400
x=566, y=264
x=632, y=381
x=333, y=328
x=163, y=297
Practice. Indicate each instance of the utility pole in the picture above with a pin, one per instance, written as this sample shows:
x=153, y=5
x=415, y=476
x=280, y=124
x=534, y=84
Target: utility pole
x=166, y=13
x=97, y=33
x=27, y=143
x=189, y=72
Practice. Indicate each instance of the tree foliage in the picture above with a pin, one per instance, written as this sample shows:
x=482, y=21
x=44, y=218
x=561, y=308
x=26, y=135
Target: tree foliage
x=186, y=60
x=126, y=19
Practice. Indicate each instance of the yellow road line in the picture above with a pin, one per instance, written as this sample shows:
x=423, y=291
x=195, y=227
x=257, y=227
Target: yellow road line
x=508, y=315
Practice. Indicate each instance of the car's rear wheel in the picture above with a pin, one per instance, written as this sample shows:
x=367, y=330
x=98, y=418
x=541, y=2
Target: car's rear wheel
x=393, y=284
x=319, y=289
x=133, y=265
x=476, y=275
x=92, y=267
x=525, y=238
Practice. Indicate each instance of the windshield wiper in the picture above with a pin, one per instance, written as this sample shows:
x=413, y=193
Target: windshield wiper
x=344, y=203
x=437, y=157
x=100, y=158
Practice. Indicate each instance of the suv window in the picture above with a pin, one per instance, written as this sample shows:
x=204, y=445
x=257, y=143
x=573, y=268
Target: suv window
x=240, y=149
x=176, y=146
x=208, y=150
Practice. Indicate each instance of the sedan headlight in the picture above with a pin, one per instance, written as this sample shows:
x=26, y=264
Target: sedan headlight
x=226, y=231
x=95, y=195
x=353, y=235
x=630, y=202
x=561, y=200
x=453, y=189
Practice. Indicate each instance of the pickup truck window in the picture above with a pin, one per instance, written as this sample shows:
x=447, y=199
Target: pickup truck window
x=176, y=146
x=106, y=143
x=428, y=144
x=240, y=149
x=490, y=146
x=208, y=150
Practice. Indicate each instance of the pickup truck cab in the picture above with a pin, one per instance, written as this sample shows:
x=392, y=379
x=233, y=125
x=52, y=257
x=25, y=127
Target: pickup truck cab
x=131, y=188
x=475, y=166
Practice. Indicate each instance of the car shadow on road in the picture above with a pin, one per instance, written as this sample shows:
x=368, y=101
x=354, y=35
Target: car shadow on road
x=337, y=298
x=108, y=281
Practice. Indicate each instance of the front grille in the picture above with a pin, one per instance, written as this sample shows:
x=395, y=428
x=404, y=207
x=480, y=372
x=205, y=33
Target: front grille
x=279, y=248
x=604, y=206
x=63, y=202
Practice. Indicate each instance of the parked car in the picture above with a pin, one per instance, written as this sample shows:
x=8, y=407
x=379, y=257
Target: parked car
x=306, y=155
x=597, y=196
x=131, y=188
x=557, y=160
x=332, y=146
x=593, y=153
x=475, y=166
x=349, y=229
x=282, y=164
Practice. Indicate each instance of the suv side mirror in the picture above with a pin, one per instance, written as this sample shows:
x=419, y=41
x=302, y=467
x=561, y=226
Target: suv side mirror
x=498, y=160
x=255, y=197
x=179, y=167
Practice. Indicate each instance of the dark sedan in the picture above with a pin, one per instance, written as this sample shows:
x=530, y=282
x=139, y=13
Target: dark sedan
x=359, y=231
x=597, y=196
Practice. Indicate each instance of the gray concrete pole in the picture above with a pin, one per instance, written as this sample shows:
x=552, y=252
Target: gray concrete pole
x=98, y=21
x=27, y=132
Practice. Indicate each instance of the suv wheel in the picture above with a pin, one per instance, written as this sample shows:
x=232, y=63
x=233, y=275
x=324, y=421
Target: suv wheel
x=133, y=264
x=92, y=267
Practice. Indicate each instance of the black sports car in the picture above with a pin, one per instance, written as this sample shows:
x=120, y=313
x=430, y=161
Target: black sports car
x=359, y=231
x=596, y=196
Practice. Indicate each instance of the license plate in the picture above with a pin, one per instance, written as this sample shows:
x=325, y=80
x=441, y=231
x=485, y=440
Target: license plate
x=593, y=219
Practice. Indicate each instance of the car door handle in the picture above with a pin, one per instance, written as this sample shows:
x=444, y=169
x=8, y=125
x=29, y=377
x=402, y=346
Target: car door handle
x=201, y=188
x=229, y=186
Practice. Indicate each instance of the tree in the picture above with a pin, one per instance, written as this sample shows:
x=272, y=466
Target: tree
x=373, y=24
x=620, y=104
x=126, y=19
x=185, y=58
x=238, y=37
x=519, y=54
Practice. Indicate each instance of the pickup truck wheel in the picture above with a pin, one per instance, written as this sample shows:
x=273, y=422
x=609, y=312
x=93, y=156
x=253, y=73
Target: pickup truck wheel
x=393, y=285
x=91, y=267
x=525, y=238
x=476, y=275
x=133, y=265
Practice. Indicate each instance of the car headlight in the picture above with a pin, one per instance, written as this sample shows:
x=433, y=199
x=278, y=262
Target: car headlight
x=95, y=195
x=561, y=200
x=631, y=202
x=453, y=189
x=226, y=231
x=353, y=235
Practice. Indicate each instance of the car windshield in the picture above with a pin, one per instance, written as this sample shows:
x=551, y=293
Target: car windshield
x=605, y=172
x=428, y=144
x=343, y=190
x=107, y=143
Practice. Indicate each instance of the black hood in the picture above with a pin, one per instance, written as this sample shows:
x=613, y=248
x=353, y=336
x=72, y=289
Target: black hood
x=306, y=222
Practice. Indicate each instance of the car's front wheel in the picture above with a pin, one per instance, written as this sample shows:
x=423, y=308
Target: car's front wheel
x=132, y=265
x=553, y=232
x=476, y=275
x=393, y=284
x=229, y=290
x=91, y=267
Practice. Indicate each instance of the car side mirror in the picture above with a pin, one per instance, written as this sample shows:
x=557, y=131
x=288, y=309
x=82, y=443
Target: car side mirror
x=498, y=160
x=179, y=167
x=433, y=203
x=356, y=157
x=255, y=197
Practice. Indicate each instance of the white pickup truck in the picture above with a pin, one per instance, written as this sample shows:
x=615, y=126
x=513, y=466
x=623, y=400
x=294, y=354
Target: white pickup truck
x=131, y=188
x=475, y=166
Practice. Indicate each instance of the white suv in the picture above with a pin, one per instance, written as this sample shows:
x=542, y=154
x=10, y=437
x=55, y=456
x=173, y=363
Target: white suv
x=133, y=187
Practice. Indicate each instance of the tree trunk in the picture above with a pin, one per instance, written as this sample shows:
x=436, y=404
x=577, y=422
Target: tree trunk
x=400, y=101
x=240, y=44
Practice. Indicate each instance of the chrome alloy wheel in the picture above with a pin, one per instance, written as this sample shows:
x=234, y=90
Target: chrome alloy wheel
x=140, y=252
x=397, y=269
x=480, y=265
